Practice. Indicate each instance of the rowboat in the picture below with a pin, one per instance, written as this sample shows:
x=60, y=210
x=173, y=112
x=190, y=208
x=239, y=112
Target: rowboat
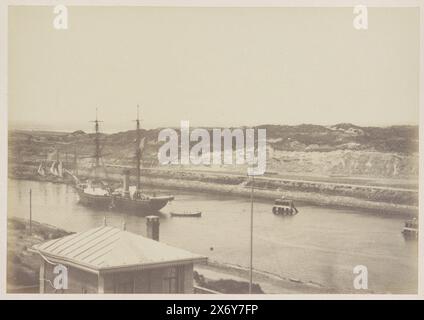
x=187, y=214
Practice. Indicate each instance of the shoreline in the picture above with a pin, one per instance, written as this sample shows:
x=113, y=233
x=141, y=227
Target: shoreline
x=306, y=193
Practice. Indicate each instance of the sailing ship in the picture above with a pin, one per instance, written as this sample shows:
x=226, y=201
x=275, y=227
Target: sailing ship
x=128, y=198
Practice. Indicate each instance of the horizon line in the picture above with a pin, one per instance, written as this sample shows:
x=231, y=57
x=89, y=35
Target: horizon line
x=17, y=128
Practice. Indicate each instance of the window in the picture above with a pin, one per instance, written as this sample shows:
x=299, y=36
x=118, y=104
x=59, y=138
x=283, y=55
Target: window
x=170, y=281
x=173, y=280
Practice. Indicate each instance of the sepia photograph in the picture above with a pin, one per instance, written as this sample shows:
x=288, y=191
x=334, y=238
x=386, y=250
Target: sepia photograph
x=212, y=150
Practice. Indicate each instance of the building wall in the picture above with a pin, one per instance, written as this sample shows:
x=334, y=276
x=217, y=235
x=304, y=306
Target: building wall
x=79, y=281
x=188, y=279
x=159, y=280
x=177, y=279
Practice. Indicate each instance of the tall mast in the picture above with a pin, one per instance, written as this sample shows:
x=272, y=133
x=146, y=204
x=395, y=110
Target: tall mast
x=138, y=150
x=97, y=143
x=75, y=160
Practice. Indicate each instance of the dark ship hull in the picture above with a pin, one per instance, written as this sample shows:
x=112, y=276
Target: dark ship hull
x=152, y=204
x=119, y=203
x=91, y=200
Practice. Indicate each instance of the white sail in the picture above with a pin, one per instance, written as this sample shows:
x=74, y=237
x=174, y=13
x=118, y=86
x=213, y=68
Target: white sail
x=52, y=171
x=56, y=173
x=60, y=169
x=41, y=170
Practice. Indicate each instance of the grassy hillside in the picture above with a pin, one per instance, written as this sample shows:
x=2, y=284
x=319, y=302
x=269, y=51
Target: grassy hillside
x=342, y=149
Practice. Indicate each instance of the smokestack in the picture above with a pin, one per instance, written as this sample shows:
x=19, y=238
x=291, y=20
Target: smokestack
x=126, y=183
x=152, y=223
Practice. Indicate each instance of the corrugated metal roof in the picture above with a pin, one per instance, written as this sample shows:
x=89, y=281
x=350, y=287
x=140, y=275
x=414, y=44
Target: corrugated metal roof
x=109, y=247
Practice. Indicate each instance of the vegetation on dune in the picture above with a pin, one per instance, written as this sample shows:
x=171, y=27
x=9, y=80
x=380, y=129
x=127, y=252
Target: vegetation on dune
x=22, y=264
x=398, y=139
x=342, y=149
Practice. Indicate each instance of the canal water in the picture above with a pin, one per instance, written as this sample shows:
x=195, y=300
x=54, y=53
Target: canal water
x=320, y=245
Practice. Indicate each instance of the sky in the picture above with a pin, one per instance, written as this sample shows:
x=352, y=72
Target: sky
x=215, y=67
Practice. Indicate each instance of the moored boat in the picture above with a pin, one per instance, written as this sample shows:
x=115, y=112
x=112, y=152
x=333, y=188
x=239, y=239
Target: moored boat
x=187, y=214
x=410, y=230
x=94, y=194
x=284, y=207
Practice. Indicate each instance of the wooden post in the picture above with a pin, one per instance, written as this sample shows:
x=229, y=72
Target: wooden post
x=30, y=211
x=152, y=226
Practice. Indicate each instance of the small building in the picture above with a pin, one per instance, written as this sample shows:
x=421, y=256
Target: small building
x=112, y=260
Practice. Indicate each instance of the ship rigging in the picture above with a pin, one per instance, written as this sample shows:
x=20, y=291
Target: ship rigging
x=93, y=193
